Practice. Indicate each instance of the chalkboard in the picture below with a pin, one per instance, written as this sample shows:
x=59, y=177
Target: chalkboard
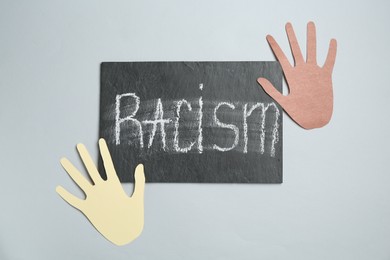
x=198, y=122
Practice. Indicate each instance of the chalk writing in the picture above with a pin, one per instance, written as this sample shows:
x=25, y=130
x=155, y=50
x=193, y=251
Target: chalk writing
x=222, y=116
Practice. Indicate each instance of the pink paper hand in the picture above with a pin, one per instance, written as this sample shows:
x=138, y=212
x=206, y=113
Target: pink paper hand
x=310, y=101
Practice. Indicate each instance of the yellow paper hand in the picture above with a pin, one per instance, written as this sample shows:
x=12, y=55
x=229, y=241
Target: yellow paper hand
x=118, y=217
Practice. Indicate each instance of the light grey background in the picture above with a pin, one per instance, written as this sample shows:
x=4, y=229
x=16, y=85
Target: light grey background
x=335, y=199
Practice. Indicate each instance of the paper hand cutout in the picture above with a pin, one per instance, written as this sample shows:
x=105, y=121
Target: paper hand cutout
x=118, y=217
x=310, y=101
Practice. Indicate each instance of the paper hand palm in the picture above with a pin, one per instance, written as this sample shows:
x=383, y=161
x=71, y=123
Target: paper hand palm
x=115, y=215
x=310, y=101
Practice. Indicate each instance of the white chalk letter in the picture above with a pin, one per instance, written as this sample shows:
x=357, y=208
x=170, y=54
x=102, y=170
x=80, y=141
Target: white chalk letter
x=200, y=129
x=275, y=132
x=119, y=120
x=158, y=119
x=245, y=125
x=223, y=125
x=176, y=135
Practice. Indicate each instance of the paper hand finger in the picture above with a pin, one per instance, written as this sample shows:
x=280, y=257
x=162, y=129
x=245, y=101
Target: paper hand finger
x=279, y=54
x=89, y=164
x=311, y=49
x=107, y=161
x=296, y=51
x=75, y=174
x=271, y=90
x=331, y=57
x=70, y=198
x=139, y=182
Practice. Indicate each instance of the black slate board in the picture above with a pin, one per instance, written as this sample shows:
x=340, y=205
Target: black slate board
x=204, y=85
